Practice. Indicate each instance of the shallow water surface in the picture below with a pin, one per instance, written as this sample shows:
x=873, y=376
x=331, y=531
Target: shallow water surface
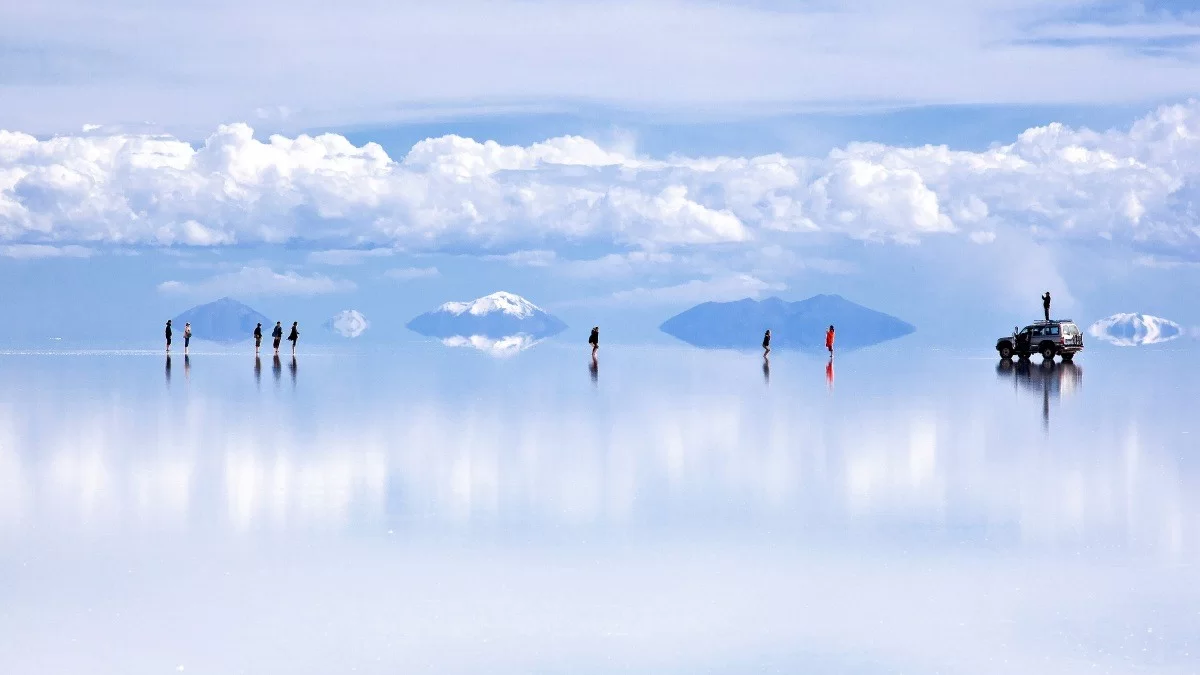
x=432, y=509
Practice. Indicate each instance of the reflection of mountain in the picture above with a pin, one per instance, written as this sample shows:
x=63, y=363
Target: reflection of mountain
x=224, y=320
x=796, y=325
x=1132, y=330
x=497, y=316
x=504, y=346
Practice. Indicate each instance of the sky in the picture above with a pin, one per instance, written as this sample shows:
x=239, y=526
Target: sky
x=616, y=163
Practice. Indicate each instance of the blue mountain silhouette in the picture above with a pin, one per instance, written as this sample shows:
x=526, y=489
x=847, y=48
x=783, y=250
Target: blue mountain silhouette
x=794, y=325
x=224, y=320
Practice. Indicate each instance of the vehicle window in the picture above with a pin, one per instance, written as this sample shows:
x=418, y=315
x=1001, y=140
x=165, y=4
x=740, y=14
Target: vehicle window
x=1054, y=330
x=1070, y=329
x=1035, y=331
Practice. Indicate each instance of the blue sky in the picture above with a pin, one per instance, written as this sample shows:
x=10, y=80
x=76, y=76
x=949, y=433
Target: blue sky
x=616, y=163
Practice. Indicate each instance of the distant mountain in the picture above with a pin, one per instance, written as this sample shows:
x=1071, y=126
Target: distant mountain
x=348, y=323
x=1135, y=330
x=224, y=320
x=495, y=316
x=795, y=325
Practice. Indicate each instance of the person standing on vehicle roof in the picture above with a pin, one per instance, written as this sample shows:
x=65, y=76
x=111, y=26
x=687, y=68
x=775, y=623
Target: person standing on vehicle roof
x=1046, y=305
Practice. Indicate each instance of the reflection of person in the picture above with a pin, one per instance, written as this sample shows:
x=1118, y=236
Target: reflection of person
x=1046, y=305
x=277, y=335
x=168, y=370
x=276, y=368
x=294, y=336
x=187, y=339
x=187, y=364
x=767, y=371
x=829, y=340
x=257, y=370
x=168, y=333
x=292, y=370
x=767, y=342
x=257, y=338
x=594, y=369
x=829, y=374
x=594, y=340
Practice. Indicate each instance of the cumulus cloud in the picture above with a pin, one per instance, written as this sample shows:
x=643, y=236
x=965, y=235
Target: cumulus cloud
x=258, y=281
x=348, y=323
x=1134, y=330
x=28, y=251
x=1133, y=187
x=410, y=273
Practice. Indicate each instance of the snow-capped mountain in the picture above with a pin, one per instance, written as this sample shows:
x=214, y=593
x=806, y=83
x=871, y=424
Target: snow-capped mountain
x=496, y=316
x=348, y=323
x=1133, y=330
x=500, y=301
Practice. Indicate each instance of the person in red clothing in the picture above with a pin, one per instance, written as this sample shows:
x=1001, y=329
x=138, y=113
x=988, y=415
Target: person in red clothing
x=829, y=340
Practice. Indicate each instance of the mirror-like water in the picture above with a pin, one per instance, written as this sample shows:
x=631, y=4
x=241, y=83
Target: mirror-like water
x=670, y=510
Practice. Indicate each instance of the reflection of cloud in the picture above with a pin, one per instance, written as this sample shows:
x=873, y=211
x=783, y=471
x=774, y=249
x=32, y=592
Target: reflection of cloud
x=1133, y=330
x=504, y=346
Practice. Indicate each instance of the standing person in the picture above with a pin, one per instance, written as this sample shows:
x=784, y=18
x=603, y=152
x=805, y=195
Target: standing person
x=257, y=338
x=829, y=341
x=594, y=340
x=187, y=337
x=168, y=332
x=767, y=343
x=1046, y=305
x=276, y=336
x=293, y=336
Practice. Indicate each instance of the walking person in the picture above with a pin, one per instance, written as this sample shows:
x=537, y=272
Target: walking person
x=168, y=332
x=294, y=336
x=187, y=338
x=276, y=336
x=767, y=343
x=1046, y=305
x=829, y=341
x=594, y=341
x=257, y=338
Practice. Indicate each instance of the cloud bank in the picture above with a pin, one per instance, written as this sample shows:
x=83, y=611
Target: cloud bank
x=258, y=281
x=1134, y=188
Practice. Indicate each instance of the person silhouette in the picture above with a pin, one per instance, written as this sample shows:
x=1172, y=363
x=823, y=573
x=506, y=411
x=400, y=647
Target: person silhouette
x=277, y=336
x=168, y=334
x=829, y=341
x=594, y=340
x=187, y=339
x=767, y=343
x=257, y=338
x=293, y=336
x=1046, y=305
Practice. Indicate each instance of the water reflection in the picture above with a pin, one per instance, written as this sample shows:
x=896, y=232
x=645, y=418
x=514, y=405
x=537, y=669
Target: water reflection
x=1048, y=379
x=168, y=370
x=257, y=372
x=594, y=370
x=276, y=369
x=766, y=368
x=292, y=370
x=493, y=346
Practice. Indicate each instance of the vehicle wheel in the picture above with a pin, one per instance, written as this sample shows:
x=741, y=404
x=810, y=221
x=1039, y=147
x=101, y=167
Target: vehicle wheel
x=1006, y=352
x=1047, y=353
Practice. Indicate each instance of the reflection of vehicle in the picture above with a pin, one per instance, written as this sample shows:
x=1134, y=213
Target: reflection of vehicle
x=1049, y=379
x=1060, y=337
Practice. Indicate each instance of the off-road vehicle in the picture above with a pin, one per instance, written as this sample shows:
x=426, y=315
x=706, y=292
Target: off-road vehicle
x=1057, y=337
